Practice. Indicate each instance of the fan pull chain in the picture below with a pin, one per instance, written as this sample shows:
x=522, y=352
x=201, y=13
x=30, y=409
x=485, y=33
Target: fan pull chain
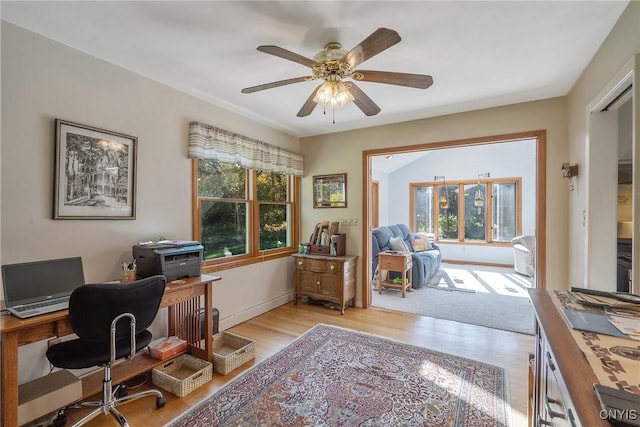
x=333, y=113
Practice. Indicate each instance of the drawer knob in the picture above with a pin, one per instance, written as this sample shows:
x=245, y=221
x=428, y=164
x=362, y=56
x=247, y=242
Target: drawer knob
x=332, y=267
x=318, y=282
x=299, y=262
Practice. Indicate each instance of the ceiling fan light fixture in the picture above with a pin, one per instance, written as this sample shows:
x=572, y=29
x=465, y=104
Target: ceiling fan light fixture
x=332, y=52
x=333, y=94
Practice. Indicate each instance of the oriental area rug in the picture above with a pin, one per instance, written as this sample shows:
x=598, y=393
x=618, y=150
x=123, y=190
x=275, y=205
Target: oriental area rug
x=331, y=376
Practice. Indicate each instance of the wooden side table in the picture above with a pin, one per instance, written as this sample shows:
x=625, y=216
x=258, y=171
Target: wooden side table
x=400, y=262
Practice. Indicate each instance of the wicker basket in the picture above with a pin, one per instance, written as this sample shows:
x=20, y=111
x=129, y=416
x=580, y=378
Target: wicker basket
x=230, y=351
x=182, y=375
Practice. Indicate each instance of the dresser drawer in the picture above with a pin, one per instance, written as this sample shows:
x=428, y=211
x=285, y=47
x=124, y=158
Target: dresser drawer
x=322, y=265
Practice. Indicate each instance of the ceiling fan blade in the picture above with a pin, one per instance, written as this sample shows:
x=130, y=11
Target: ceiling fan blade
x=379, y=40
x=419, y=81
x=274, y=84
x=287, y=54
x=309, y=105
x=366, y=104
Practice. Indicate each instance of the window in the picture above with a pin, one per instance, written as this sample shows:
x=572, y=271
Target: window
x=245, y=194
x=505, y=212
x=472, y=218
x=242, y=214
x=447, y=212
x=422, y=199
x=475, y=212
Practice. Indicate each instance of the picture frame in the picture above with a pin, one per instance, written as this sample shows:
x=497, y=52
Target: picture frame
x=95, y=173
x=330, y=191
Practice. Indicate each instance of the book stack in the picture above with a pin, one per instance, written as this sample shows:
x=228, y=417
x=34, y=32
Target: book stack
x=620, y=315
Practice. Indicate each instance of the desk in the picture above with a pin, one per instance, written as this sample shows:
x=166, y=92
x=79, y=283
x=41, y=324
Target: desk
x=400, y=262
x=181, y=297
x=563, y=375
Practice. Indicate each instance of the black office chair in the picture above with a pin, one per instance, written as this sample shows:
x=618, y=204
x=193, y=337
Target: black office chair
x=111, y=321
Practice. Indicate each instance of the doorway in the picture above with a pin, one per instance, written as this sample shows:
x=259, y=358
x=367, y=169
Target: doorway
x=540, y=191
x=609, y=215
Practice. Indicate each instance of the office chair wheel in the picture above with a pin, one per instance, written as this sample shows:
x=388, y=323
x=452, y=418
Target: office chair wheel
x=122, y=391
x=160, y=402
x=61, y=419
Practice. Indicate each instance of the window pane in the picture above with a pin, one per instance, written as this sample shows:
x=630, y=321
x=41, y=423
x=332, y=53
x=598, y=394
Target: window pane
x=504, y=212
x=272, y=186
x=423, y=205
x=224, y=229
x=448, y=212
x=223, y=180
x=274, y=226
x=474, y=212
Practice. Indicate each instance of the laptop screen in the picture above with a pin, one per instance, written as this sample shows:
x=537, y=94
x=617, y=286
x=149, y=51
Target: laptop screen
x=40, y=280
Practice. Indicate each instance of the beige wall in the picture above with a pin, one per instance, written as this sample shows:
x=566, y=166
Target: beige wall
x=614, y=56
x=43, y=80
x=345, y=153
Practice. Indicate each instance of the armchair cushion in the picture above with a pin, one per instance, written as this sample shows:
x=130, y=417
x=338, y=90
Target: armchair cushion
x=397, y=244
x=420, y=243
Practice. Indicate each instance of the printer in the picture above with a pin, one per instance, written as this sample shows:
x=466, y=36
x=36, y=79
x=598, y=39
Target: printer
x=175, y=259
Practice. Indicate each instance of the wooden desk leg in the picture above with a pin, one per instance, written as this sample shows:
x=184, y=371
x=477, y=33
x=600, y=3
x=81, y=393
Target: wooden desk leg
x=208, y=309
x=9, y=379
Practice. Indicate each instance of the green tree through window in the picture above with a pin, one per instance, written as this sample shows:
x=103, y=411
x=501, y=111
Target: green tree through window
x=242, y=212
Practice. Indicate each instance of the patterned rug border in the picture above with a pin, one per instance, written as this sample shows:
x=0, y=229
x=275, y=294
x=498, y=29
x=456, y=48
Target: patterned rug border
x=506, y=398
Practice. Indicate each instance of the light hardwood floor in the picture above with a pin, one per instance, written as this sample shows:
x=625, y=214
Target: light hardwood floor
x=272, y=331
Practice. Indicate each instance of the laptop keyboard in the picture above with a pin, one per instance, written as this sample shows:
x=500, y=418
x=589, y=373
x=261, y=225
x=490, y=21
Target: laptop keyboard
x=41, y=304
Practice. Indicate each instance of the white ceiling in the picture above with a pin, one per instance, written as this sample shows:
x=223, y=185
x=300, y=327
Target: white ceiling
x=480, y=54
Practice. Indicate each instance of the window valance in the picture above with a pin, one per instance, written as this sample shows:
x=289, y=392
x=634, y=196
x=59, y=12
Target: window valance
x=209, y=142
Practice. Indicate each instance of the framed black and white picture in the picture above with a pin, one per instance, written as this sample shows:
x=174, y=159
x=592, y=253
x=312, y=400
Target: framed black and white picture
x=95, y=173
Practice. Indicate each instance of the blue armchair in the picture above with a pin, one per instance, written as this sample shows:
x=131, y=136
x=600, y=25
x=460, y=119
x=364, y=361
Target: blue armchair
x=425, y=263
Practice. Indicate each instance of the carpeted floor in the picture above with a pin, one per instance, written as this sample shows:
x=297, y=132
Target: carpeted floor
x=332, y=376
x=486, y=296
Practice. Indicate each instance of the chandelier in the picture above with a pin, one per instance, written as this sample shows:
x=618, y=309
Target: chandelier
x=478, y=200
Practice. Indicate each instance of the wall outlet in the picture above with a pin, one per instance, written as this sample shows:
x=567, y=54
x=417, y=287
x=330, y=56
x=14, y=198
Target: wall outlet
x=53, y=341
x=349, y=221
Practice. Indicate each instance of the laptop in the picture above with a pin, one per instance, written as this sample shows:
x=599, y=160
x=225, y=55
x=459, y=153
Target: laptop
x=40, y=287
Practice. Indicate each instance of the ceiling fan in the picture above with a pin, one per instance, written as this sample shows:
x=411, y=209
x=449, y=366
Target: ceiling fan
x=334, y=65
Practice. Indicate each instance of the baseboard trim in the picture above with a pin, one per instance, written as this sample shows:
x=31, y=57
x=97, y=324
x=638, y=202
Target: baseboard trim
x=250, y=313
x=488, y=264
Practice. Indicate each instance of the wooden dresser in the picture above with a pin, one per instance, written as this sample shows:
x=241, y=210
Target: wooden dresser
x=326, y=278
x=562, y=392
